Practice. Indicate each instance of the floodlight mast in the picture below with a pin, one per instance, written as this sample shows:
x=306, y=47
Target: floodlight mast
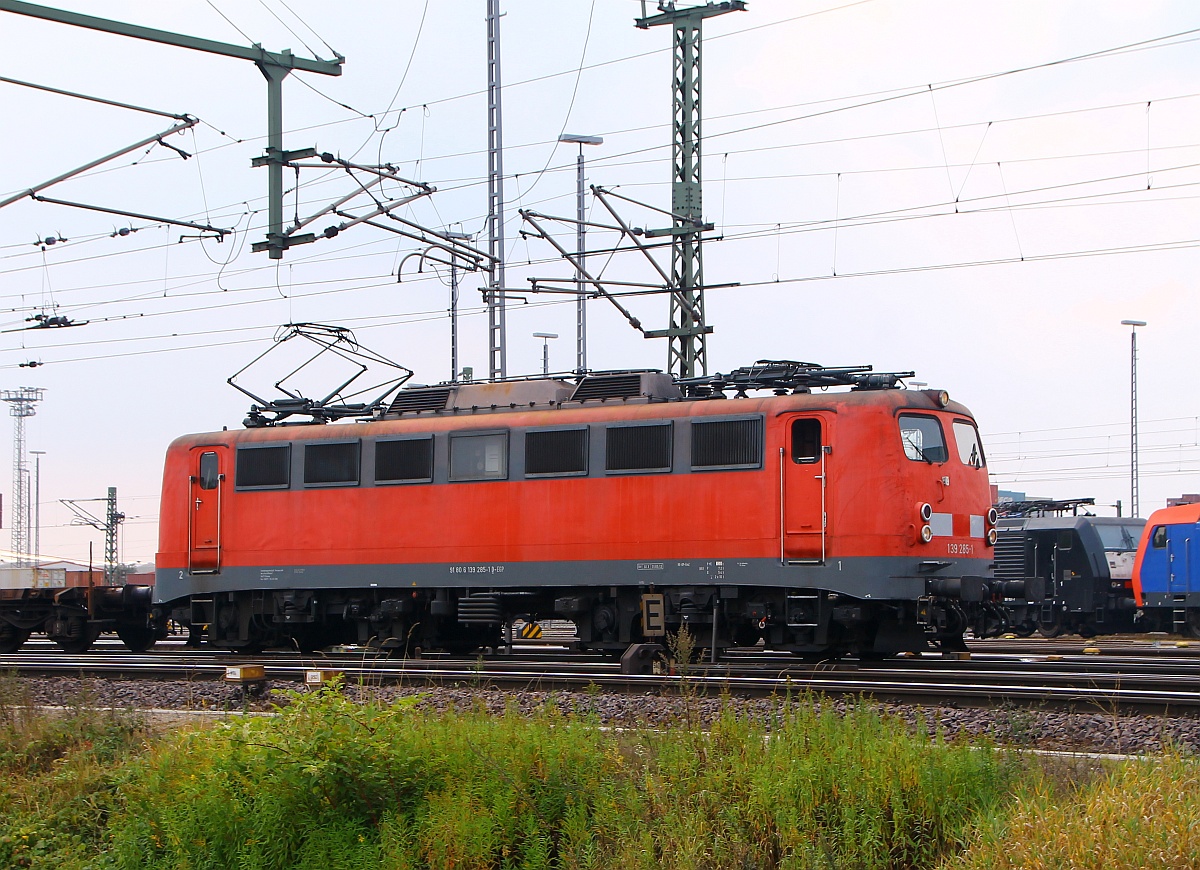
x=22, y=404
x=687, y=353
x=274, y=66
x=1133, y=416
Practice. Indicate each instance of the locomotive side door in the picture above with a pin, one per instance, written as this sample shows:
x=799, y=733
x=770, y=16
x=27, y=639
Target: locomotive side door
x=804, y=497
x=207, y=477
x=1179, y=560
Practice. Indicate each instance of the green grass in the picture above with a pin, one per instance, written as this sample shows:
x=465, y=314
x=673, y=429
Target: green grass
x=330, y=783
x=58, y=779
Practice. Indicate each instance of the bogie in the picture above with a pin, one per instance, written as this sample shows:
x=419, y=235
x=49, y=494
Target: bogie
x=72, y=629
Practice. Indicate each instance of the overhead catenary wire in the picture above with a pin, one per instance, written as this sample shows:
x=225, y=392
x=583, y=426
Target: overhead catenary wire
x=599, y=161
x=1169, y=245
x=823, y=277
x=841, y=172
x=877, y=96
x=1080, y=183
x=439, y=315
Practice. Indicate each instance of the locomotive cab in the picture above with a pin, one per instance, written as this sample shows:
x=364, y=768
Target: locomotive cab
x=1166, y=579
x=1078, y=571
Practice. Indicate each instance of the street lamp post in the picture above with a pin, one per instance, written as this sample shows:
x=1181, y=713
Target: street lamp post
x=37, y=506
x=545, y=337
x=580, y=251
x=1133, y=416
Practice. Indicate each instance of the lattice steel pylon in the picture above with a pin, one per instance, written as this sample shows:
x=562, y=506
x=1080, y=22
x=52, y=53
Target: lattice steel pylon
x=687, y=353
x=497, y=328
x=22, y=403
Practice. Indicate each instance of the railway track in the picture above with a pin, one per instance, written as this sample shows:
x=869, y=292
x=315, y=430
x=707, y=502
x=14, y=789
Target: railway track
x=1141, y=677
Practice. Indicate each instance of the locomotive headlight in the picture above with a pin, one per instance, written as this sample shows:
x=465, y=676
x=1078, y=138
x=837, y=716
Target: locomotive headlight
x=926, y=512
x=991, y=537
x=992, y=516
x=926, y=533
x=943, y=398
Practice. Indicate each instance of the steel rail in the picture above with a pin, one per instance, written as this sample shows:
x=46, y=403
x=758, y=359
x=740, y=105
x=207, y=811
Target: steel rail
x=1049, y=684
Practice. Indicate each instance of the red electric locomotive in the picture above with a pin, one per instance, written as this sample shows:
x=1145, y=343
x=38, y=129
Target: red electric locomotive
x=629, y=503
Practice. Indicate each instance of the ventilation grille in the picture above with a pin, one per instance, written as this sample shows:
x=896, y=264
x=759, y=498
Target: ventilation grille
x=639, y=448
x=409, y=460
x=563, y=451
x=420, y=400
x=609, y=387
x=727, y=443
x=263, y=466
x=1009, y=553
x=331, y=463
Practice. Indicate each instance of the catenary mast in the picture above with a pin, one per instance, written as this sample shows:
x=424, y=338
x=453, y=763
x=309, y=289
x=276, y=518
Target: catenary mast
x=687, y=354
x=497, y=330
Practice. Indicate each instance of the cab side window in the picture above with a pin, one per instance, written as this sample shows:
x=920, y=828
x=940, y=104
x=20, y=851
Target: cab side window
x=1159, y=538
x=970, y=451
x=806, y=440
x=479, y=457
x=209, y=471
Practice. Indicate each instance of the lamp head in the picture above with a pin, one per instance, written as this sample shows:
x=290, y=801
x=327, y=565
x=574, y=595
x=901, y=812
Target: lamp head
x=581, y=140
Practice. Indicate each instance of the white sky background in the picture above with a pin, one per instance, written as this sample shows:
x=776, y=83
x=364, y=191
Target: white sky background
x=810, y=173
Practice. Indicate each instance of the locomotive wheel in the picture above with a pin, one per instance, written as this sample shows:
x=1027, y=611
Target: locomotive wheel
x=137, y=638
x=1025, y=629
x=11, y=637
x=1049, y=631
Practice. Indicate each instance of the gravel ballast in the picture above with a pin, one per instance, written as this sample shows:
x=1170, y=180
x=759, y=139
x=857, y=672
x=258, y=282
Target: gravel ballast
x=1022, y=727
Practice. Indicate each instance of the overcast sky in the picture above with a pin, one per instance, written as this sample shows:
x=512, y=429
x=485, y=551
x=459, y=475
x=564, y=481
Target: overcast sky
x=976, y=191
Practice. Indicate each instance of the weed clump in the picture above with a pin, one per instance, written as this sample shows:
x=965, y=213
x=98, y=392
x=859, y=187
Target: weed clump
x=331, y=783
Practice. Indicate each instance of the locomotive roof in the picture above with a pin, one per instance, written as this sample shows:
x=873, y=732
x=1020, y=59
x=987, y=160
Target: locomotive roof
x=1051, y=523
x=549, y=402
x=780, y=376
x=1180, y=513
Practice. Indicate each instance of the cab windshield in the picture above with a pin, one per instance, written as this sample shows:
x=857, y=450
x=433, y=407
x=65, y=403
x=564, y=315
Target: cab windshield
x=1119, y=538
x=922, y=438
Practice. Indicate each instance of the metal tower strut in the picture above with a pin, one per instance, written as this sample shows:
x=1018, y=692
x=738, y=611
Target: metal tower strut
x=275, y=67
x=687, y=354
x=110, y=525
